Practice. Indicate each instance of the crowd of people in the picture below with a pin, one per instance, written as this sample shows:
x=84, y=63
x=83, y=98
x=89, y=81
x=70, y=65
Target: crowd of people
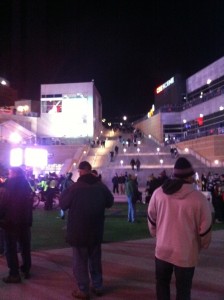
x=97, y=143
x=173, y=201
x=49, y=186
x=211, y=184
x=86, y=200
x=214, y=184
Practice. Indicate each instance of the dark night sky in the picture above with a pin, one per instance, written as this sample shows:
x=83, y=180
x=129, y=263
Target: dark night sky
x=127, y=47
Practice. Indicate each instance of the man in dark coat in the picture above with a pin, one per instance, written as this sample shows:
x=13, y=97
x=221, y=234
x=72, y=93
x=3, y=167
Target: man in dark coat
x=16, y=209
x=86, y=201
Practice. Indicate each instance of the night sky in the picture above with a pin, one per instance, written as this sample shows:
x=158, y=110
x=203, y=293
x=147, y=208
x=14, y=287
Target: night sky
x=127, y=47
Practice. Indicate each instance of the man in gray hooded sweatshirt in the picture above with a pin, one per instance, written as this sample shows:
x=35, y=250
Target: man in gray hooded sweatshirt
x=180, y=218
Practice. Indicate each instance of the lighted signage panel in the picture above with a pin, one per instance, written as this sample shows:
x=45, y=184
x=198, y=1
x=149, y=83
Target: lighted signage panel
x=165, y=85
x=31, y=157
x=35, y=157
x=16, y=157
x=171, y=92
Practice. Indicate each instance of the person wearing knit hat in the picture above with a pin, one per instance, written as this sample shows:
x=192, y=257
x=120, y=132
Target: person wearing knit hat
x=183, y=168
x=180, y=218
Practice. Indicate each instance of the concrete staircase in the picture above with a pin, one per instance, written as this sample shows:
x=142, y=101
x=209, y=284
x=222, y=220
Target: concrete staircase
x=152, y=160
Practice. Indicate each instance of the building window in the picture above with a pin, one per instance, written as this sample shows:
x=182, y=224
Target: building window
x=51, y=107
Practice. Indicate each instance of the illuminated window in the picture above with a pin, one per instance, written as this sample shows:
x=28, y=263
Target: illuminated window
x=51, y=107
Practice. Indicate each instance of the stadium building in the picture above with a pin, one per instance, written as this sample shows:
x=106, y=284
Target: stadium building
x=191, y=116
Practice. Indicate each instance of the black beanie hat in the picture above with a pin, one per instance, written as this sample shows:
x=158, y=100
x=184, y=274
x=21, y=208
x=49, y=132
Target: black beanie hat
x=183, y=168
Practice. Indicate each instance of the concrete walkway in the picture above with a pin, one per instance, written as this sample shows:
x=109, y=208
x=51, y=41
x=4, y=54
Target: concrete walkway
x=128, y=273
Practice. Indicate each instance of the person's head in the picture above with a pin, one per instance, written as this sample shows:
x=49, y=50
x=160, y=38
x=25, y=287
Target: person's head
x=151, y=177
x=84, y=168
x=131, y=176
x=183, y=169
x=162, y=174
x=15, y=172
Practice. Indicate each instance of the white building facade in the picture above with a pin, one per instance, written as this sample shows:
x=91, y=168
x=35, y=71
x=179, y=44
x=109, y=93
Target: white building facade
x=70, y=110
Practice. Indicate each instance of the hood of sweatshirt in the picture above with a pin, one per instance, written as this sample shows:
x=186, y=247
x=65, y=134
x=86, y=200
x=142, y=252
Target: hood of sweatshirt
x=88, y=178
x=177, y=187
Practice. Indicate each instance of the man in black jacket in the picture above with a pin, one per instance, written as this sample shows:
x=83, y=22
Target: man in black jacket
x=16, y=209
x=86, y=201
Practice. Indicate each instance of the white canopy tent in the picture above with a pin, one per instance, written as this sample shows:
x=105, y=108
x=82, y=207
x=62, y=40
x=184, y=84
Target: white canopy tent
x=10, y=129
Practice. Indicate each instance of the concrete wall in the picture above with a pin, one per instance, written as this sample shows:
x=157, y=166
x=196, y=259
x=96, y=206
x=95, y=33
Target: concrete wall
x=206, y=108
x=199, y=79
x=210, y=147
x=59, y=153
x=192, y=113
x=152, y=126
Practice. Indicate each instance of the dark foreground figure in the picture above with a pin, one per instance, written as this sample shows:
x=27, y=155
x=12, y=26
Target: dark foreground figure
x=16, y=208
x=86, y=201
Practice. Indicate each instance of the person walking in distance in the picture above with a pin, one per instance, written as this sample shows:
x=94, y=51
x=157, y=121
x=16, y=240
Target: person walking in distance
x=86, y=201
x=115, y=181
x=180, y=218
x=131, y=191
x=121, y=184
x=138, y=164
x=116, y=149
x=132, y=163
x=16, y=210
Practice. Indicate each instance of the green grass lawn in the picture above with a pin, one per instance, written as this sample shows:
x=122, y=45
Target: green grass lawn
x=48, y=231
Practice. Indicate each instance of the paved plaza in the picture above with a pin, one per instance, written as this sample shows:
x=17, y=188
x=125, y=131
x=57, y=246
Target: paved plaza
x=128, y=273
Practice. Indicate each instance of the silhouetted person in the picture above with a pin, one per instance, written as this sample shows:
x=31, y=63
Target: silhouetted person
x=86, y=201
x=132, y=163
x=16, y=210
